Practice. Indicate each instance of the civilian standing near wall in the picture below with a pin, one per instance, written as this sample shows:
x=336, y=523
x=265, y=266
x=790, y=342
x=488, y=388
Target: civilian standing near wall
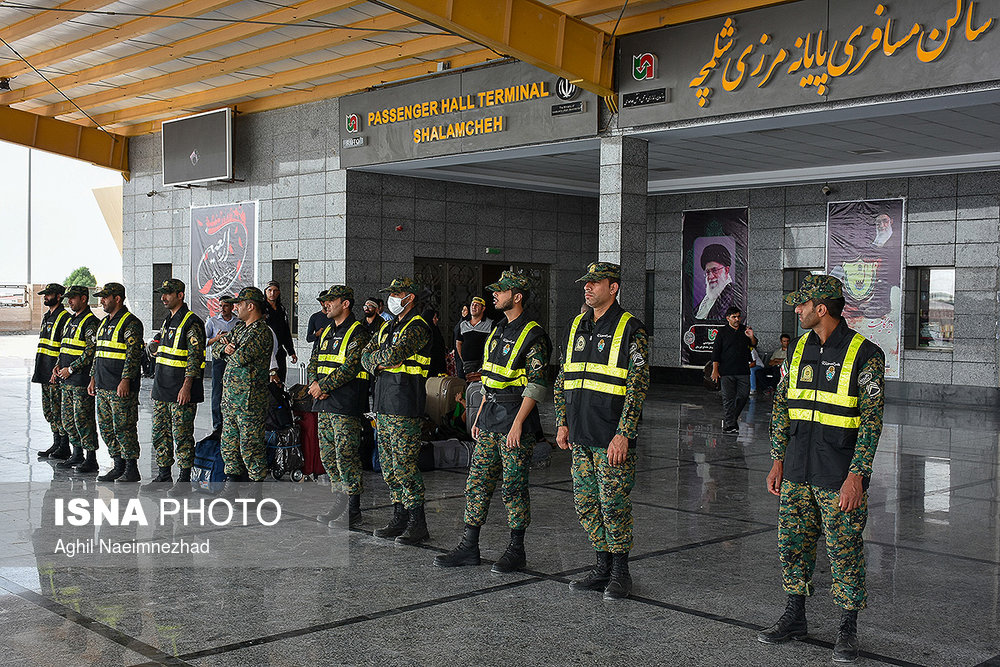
x=731, y=360
x=76, y=355
x=47, y=354
x=277, y=319
x=216, y=327
x=318, y=321
x=472, y=333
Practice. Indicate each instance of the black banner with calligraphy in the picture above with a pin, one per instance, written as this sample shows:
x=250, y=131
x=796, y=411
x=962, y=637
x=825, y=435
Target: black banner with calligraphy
x=715, y=246
x=223, y=254
x=864, y=248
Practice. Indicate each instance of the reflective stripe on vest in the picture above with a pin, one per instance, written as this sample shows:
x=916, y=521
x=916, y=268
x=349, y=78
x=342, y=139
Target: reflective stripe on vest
x=605, y=378
x=113, y=348
x=175, y=356
x=417, y=364
x=75, y=346
x=323, y=359
x=842, y=399
x=47, y=346
x=496, y=376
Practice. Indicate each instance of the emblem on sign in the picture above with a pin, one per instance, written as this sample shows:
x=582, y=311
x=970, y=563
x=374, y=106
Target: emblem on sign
x=581, y=343
x=600, y=346
x=644, y=66
x=807, y=374
x=712, y=333
x=566, y=90
x=860, y=279
x=353, y=123
x=830, y=372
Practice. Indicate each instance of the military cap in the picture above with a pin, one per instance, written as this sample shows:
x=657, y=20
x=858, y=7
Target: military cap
x=337, y=292
x=78, y=290
x=52, y=288
x=816, y=287
x=401, y=285
x=510, y=280
x=247, y=294
x=112, y=289
x=170, y=286
x=600, y=271
x=480, y=300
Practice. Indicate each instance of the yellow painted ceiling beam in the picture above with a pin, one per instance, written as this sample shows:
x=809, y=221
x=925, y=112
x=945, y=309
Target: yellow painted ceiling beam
x=277, y=52
x=57, y=136
x=584, y=8
x=47, y=19
x=185, y=47
x=119, y=33
x=690, y=11
x=527, y=30
x=222, y=95
x=328, y=90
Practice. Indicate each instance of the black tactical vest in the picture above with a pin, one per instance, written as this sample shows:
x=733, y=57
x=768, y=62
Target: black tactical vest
x=171, y=358
x=333, y=345
x=109, y=361
x=49, y=337
x=72, y=346
x=504, y=375
x=402, y=391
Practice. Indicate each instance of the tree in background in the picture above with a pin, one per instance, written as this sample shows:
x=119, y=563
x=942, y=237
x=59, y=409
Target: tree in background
x=81, y=276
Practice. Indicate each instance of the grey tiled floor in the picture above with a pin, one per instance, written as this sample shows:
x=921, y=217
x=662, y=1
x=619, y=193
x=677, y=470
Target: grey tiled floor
x=705, y=564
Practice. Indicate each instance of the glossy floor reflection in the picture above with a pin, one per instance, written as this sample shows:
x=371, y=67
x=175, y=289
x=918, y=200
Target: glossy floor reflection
x=705, y=564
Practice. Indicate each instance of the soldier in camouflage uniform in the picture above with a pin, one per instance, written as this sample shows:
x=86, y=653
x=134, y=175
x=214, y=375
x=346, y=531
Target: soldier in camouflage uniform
x=339, y=387
x=825, y=426
x=516, y=355
x=178, y=386
x=115, y=378
x=53, y=323
x=598, y=398
x=76, y=355
x=247, y=351
x=399, y=358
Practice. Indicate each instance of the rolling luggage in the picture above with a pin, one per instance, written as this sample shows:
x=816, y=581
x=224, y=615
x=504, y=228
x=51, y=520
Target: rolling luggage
x=208, y=472
x=309, y=441
x=473, y=398
x=452, y=453
x=284, y=457
x=442, y=393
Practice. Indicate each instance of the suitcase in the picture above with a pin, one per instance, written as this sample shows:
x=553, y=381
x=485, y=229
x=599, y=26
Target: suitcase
x=301, y=400
x=284, y=457
x=208, y=472
x=473, y=398
x=452, y=453
x=442, y=392
x=309, y=442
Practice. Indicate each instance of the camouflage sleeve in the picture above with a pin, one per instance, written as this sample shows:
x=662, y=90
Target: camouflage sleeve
x=196, y=352
x=90, y=336
x=871, y=403
x=779, y=417
x=253, y=348
x=558, y=400
x=411, y=340
x=366, y=356
x=219, y=346
x=348, y=370
x=313, y=365
x=133, y=350
x=536, y=364
x=636, y=385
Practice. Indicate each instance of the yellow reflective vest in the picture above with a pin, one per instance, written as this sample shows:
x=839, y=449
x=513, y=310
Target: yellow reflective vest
x=351, y=398
x=402, y=390
x=49, y=339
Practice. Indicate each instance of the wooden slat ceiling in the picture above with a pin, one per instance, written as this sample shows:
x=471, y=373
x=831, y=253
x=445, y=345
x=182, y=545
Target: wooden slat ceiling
x=134, y=63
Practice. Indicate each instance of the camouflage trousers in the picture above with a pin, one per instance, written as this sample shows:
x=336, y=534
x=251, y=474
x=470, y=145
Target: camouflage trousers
x=601, y=495
x=243, y=448
x=173, y=433
x=52, y=407
x=803, y=511
x=398, y=448
x=119, y=418
x=78, y=417
x=339, y=449
x=491, y=462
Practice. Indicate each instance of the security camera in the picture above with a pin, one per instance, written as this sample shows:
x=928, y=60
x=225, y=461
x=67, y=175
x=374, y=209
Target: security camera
x=151, y=193
x=827, y=190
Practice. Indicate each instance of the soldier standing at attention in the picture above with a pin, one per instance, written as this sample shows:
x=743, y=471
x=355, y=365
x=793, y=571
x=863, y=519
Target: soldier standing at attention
x=339, y=387
x=825, y=426
x=76, y=354
x=115, y=379
x=178, y=385
x=247, y=351
x=516, y=360
x=598, y=398
x=53, y=323
x=399, y=357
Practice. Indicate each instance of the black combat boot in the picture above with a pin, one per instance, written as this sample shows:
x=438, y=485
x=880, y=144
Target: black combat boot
x=131, y=472
x=231, y=488
x=115, y=472
x=513, y=558
x=620, y=583
x=336, y=512
x=159, y=483
x=183, y=485
x=466, y=553
x=74, y=460
x=354, y=518
x=598, y=578
x=416, y=528
x=396, y=525
x=791, y=625
x=89, y=463
x=63, y=452
x=56, y=444
x=846, y=648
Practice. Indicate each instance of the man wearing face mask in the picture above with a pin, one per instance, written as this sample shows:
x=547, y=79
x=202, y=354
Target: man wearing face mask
x=399, y=357
x=76, y=355
x=53, y=323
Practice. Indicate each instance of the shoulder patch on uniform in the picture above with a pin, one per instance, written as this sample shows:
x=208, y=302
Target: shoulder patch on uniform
x=873, y=389
x=865, y=377
x=353, y=344
x=536, y=364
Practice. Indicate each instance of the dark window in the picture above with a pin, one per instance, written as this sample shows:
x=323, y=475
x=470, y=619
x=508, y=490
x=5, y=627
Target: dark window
x=650, y=293
x=929, y=308
x=286, y=272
